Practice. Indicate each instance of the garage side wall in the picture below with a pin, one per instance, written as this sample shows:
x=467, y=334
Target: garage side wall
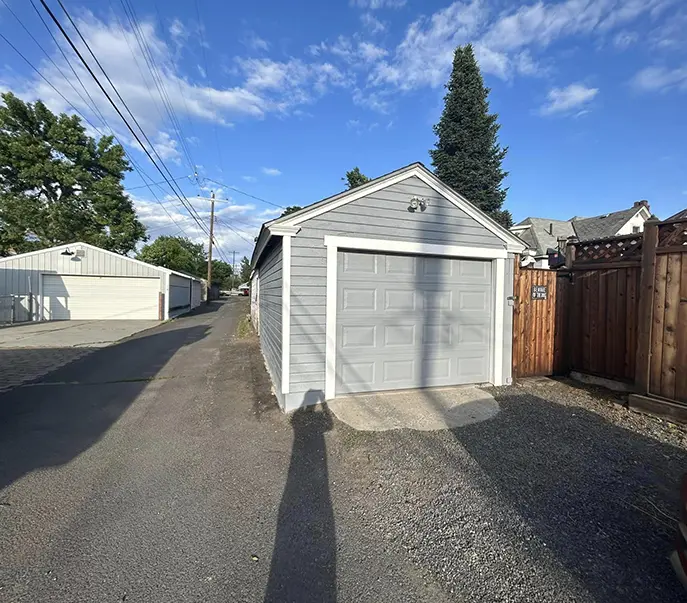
x=179, y=295
x=21, y=275
x=381, y=215
x=270, y=313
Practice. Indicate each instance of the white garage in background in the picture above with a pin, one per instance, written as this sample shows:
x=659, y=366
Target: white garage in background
x=83, y=282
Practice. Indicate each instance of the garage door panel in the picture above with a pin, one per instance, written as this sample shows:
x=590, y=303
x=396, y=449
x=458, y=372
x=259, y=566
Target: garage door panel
x=430, y=323
x=71, y=297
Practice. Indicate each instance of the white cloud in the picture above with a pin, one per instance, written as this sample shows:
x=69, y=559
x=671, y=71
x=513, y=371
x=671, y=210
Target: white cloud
x=504, y=44
x=353, y=51
x=255, y=42
x=178, y=32
x=263, y=87
x=660, y=79
x=563, y=100
x=271, y=171
x=166, y=147
x=426, y=52
x=624, y=39
x=372, y=24
x=249, y=178
x=377, y=4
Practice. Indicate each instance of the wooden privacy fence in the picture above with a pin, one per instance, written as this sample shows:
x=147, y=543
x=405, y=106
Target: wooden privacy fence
x=540, y=300
x=618, y=310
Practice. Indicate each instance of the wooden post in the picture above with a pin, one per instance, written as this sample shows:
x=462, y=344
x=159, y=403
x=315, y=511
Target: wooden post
x=646, y=297
x=570, y=322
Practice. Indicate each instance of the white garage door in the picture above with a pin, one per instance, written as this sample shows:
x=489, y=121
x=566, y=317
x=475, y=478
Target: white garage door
x=99, y=297
x=409, y=321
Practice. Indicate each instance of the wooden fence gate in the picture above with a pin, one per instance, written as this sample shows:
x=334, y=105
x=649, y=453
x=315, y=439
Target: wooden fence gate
x=540, y=299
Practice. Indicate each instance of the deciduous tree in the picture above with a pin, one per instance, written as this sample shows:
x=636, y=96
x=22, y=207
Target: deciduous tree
x=176, y=253
x=59, y=185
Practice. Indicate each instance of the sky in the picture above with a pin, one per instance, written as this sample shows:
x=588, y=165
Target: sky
x=268, y=103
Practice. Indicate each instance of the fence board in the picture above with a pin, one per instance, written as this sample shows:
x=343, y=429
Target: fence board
x=681, y=356
x=561, y=340
x=672, y=304
x=658, y=318
x=621, y=332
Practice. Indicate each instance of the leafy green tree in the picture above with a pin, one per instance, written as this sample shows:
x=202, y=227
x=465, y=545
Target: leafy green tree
x=355, y=178
x=244, y=270
x=290, y=210
x=176, y=253
x=59, y=185
x=467, y=155
x=222, y=273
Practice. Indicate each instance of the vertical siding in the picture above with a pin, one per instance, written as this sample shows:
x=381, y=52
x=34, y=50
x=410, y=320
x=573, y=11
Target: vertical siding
x=382, y=215
x=270, y=311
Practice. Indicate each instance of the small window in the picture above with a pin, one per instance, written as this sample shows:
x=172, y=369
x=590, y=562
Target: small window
x=635, y=229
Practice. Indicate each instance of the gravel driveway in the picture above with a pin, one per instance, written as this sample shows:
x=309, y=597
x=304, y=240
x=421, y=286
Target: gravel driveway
x=562, y=496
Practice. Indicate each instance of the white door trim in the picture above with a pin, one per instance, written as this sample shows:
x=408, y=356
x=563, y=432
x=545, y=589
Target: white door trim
x=286, y=315
x=334, y=243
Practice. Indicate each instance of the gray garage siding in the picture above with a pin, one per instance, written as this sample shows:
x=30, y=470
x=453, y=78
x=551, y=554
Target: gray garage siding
x=270, y=311
x=179, y=294
x=382, y=215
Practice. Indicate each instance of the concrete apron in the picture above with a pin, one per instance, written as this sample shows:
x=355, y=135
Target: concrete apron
x=420, y=409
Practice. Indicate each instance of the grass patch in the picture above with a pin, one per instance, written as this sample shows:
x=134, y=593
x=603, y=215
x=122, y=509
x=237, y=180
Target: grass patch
x=245, y=328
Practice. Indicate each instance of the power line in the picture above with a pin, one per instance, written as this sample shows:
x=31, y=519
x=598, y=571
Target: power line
x=97, y=81
x=133, y=188
x=236, y=231
x=69, y=103
x=157, y=78
x=233, y=188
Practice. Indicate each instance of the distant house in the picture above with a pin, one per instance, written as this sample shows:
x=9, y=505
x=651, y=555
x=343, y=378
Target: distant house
x=544, y=236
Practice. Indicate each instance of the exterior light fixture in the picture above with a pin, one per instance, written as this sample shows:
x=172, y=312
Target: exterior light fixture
x=418, y=203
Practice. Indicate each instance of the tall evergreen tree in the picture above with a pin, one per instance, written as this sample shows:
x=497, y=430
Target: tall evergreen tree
x=59, y=185
x=355, y=178
x=467, y=155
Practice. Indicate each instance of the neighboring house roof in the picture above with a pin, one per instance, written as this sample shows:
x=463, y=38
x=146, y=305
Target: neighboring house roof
x=542, y=234
x=289, y=224
x=681, y=215
x=601, y=227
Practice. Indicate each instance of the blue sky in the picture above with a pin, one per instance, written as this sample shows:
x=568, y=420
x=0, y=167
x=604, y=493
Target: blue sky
x=279, y=99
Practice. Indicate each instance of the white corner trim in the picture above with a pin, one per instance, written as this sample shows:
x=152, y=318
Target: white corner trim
x=279, y=229
x=330, y=328
x=499, y=308
x=286, y=315
x=486, y=253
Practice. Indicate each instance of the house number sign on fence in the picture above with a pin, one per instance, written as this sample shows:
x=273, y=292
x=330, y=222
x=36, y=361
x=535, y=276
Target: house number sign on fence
x=540, y=292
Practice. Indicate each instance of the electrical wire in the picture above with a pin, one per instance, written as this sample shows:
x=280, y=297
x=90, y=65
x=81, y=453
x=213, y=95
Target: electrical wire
x=69, y=103
x=233, y=188
x=133, y=188
x=102, y=88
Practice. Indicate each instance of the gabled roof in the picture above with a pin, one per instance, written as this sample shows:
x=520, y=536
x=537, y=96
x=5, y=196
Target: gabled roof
x=107, y=251
x=289, y=224
x=607, y=225
x=681, y=215
x=542, y=234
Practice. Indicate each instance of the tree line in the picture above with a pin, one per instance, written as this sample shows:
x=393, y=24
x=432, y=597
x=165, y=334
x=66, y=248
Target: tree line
x=60, y=185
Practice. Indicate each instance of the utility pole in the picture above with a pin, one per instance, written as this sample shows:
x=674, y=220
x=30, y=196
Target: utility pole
x=233, y=266
x=212, y=228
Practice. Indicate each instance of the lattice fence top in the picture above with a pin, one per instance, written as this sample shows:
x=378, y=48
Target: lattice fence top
x=673, y=234
x=626, y=248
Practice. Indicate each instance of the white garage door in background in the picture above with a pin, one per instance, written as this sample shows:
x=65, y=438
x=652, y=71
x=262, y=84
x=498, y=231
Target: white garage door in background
x=68, y=297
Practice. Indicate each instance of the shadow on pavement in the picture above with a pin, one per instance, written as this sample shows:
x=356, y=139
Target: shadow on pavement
x=66, y=412
x=303, y=567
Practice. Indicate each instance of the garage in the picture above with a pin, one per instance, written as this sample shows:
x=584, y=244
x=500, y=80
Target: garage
x=79, y=281
x=67, y=297
x=400, y=283
x=411, y=321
